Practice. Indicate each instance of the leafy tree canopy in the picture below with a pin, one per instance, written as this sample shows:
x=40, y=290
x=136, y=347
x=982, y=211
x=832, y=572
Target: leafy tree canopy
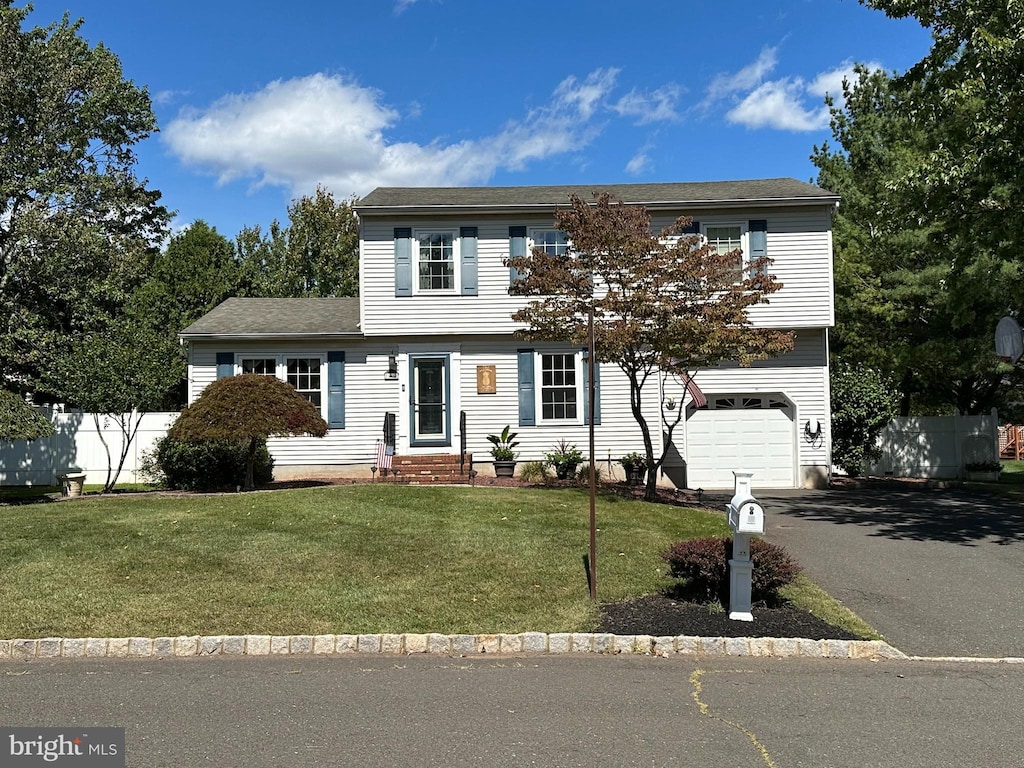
x=317, y=254
x=863, y=402
x=248, y=408
x=19, y=421
x=77, y=229
x=662, y=304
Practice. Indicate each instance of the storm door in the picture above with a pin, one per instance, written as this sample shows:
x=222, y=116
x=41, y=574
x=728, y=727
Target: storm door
x=430, y=394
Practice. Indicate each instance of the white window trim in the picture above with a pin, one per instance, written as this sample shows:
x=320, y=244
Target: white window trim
x=744, y=267
x=281, y=368
x=456, y=262
x=532, y=240
x=539, y=393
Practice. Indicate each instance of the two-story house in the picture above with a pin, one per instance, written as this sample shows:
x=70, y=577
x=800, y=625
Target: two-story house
x=427, y=353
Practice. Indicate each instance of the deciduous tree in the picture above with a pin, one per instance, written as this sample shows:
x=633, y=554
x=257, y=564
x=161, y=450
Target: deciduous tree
x=249, y=408
x=19, y=421
x=665, y=303
x=77, y=228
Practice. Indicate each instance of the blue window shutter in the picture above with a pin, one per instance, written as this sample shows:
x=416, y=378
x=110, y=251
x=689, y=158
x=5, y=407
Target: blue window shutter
x=757, y=234
x=336, y=390
x=586, y=392
x=403, y=261
x=527, y=401
x=516, y=247
x=467, y=250
x=225, y=364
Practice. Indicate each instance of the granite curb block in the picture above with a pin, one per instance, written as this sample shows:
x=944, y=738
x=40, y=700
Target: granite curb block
x=553, y=644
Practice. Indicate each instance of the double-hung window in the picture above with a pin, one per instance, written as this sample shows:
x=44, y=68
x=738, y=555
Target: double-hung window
x=304, y=373
x=559, y=387
x=726, y=238
x=435, y=261
x=552, y=241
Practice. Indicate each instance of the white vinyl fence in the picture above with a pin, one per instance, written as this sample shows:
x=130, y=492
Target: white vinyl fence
x=76, y=444
x=936, y=446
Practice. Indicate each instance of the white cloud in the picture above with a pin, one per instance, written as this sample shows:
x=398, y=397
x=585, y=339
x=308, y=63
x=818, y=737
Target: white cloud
x=650, y=107
x=402, y=5
x=640, y=162
x=785, y=103
x=777, y=104
x=330, y=130
x=747, y=78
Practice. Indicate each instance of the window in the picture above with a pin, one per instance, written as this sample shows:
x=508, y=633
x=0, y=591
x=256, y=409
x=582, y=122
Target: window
x=436, y=261
x=558, y=388
x=725, y=238
x=552, y=241
x=262, y=366
x=303, y=373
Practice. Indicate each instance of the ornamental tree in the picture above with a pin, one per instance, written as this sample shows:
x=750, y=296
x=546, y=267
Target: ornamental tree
x=863, y=403
x=663, y=304
x=248, y=408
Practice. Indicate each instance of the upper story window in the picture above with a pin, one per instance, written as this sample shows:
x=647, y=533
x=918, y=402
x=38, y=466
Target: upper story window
x=559, y=390
x=436, y=261
x=553, y=241
x=725, y=238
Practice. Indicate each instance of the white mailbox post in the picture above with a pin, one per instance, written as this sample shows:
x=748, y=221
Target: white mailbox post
x=746, y=517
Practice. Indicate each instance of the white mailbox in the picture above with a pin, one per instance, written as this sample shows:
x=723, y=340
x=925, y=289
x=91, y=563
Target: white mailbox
x=747, y=516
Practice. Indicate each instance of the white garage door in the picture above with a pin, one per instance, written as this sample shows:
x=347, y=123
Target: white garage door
x=749, y=433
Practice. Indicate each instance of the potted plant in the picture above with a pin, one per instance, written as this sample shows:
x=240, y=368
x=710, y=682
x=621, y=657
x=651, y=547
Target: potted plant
x=983, y=471
x=635, y=466
x=503, y=453
x=564, y=459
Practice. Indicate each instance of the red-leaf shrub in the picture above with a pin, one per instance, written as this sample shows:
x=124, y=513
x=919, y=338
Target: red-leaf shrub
x=704, y=563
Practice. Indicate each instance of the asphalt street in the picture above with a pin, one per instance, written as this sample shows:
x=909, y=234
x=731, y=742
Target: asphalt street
x=519, y=711
x=937, y=572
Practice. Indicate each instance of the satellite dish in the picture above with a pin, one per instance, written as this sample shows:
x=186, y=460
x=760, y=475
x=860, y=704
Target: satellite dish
x=1009, y=340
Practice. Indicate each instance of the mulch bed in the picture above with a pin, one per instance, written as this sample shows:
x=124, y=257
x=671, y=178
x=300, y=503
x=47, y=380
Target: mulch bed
x=659, y=615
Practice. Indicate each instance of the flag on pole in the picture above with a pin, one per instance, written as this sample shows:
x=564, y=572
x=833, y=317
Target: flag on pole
x=383, y=456
x=698, y=398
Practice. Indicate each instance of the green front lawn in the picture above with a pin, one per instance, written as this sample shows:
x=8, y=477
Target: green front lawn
x=343, y=559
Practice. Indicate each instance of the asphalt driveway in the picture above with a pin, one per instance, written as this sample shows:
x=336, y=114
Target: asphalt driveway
x=937, y=572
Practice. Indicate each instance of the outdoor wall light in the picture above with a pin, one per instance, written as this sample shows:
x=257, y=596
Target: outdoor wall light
x=392, y=373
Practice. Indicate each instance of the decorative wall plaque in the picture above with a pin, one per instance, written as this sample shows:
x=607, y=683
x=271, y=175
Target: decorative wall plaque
x=485, y=380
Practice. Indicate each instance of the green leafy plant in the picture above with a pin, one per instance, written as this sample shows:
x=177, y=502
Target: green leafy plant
x=204, y=465
x=535, y=472
x=564, y=459
x=863, y=402
x=634, y=464
x=704, y=563
x=504, y=445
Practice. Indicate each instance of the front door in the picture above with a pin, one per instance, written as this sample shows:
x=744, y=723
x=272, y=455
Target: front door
x=430, y=419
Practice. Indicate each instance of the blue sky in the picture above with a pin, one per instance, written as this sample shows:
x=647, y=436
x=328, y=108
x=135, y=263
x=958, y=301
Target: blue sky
x=259, y=102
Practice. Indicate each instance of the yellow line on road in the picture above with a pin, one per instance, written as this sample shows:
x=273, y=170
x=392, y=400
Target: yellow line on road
x=695, y=681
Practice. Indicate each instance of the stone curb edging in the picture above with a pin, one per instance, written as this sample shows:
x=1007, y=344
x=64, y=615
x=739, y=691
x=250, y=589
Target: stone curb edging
x=529, y=643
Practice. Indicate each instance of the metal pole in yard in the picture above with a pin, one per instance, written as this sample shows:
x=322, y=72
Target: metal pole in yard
x=593, y=474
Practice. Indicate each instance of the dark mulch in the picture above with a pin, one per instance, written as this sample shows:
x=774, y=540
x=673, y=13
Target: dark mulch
x=660, y=615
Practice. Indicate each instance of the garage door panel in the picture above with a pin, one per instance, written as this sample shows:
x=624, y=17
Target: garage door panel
x=761, y=441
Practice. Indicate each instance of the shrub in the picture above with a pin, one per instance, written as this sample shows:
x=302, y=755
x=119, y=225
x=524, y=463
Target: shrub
x=535, y=472
x=205, y=465
x=704, y=563
x=564, y=458
x=863, y=402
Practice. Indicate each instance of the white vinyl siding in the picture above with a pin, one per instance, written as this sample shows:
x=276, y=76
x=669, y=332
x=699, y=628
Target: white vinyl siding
x=798, y=241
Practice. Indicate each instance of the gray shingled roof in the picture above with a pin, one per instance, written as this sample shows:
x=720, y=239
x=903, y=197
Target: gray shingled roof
x=263, y=318
x=692, y=193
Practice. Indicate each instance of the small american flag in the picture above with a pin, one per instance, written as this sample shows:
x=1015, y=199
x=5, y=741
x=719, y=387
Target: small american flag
x=699, y=400
x=383, y=456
